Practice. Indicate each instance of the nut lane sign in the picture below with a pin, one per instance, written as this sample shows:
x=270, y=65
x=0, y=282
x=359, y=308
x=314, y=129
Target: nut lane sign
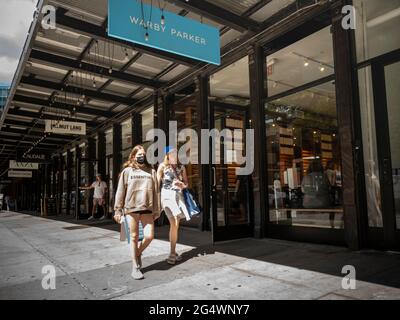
x=65, y=127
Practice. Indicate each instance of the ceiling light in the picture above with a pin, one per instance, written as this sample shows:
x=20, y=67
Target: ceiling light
x=306, y=63
x=321, y=68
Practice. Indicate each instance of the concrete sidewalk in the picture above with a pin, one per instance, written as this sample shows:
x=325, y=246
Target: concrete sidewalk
x=91, y=263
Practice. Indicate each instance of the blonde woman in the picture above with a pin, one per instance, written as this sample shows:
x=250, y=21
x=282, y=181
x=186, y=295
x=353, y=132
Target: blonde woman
x=173, y=179
x=138, y=196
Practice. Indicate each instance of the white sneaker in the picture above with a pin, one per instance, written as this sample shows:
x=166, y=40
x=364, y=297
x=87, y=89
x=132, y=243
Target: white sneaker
x=178, y=257
x=137, y=274
x=103, y=217
x=171, y=259
x=90, y=218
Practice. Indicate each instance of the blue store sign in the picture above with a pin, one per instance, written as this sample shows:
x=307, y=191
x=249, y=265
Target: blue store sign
x=179, y=35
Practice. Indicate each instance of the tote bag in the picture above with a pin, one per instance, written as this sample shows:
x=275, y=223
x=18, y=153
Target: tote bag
x=191, y=204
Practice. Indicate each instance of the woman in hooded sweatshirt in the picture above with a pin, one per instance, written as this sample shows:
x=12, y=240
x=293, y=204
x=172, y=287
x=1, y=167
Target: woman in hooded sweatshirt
x=138, y=197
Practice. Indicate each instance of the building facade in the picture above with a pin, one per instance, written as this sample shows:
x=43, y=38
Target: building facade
x=4, y=90
x=323, y=102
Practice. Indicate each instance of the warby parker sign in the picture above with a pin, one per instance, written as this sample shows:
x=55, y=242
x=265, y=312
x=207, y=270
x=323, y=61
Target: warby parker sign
x=179, y=35
x=65, y=127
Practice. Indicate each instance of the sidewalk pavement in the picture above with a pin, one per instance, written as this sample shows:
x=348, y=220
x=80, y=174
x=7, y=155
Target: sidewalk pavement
x=91, y=263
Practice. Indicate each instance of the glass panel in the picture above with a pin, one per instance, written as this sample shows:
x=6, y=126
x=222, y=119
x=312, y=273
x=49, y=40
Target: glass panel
x=109, y=170
x=305, y=61
x=371, y=167
x=126, y=130
x=185, y=113
x=232, y=84
x=377, y=21
x=231, y=190
x=96, y=163
x=304, y=162
x=109, y=141
x=125, y=155
x=303, y=152
x=392, y=73
x=147, y=123
x=219, y=179
x=238, y=199
x=73, y=181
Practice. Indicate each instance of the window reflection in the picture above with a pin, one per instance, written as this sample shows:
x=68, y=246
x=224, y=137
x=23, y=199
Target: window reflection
x=304, y=161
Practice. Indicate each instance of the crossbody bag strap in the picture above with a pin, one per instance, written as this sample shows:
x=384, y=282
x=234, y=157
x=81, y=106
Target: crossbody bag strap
x=176, y=174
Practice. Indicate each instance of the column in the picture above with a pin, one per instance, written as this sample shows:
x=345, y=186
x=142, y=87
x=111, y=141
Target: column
x=203, y=122
x=257, y=120
x=349, y=128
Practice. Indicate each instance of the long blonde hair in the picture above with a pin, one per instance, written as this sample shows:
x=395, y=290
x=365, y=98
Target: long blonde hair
x=131, y=159
x=166, y=161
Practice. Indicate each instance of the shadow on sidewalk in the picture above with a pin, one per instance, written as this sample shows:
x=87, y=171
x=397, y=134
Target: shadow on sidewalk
x=371, y=266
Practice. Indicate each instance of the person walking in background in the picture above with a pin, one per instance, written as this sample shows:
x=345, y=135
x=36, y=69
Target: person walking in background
x=7, y=200
x=315, y=186
x=173, y=179
x=331, y=176
x=99, y=196
x=138, y=198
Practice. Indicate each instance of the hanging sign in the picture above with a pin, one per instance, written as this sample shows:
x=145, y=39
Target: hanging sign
x=19, y=174
x=65, y=127
x=127, y=20
x=32, y=157
x=23, y=165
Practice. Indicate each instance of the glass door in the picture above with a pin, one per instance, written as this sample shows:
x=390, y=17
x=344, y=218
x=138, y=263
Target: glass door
x=231, y=197
x=386, y=84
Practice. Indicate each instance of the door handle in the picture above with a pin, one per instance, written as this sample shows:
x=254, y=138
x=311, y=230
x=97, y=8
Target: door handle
x=214, y=177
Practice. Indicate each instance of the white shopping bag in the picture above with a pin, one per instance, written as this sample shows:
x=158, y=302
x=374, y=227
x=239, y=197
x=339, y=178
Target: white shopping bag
x=125, y=231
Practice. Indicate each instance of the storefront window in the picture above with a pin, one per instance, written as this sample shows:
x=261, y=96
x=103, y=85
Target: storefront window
x=109, y=167
x=73, y=179
x=392, y=80
x=126, y=131
x=147, y=124
x=376, y=22
x=230, y=104
x=183, y=111
x=84, y=181
x=371, y=167
x=303, y=152
x=64, y=194
x=96, y=163
x=109, y=141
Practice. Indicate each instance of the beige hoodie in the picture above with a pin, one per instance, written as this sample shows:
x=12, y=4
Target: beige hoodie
x=138, y=191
